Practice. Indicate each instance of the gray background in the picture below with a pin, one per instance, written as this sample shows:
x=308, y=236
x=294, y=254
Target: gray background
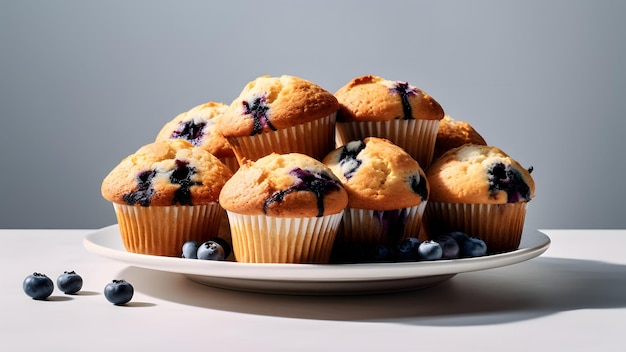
x=83, y=84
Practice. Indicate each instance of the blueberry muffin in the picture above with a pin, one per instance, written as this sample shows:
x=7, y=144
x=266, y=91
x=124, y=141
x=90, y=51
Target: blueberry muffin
x=281, y=115
x=283, y=208
x=455, y=133
x=387, y=191
x=481, y=191
x=371, y=106
x=198, y=126
x=164, y=194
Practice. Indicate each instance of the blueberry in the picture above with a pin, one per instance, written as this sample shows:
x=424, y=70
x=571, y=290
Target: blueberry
x=38, y=286
x=504, y=178
x=119, y=292
x=382, y=253
x=449, y=246
x=407, y=249
x=473, y=247
x=69, y=282
x=225, y=246
x=429, y=250
x=211, y=250
x=459, y=237
x=190, y=250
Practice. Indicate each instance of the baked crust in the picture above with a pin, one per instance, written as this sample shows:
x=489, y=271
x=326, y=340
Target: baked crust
x=256, y=182
x=148, y=176
x=286, y=101
x=372, y=98
x=378, y=175
x=465, y=175
x=454, y=133
x=210, y=139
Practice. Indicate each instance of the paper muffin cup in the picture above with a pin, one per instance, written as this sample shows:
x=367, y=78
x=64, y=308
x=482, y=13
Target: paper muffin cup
x=417, y=137
x=162, y=230
x=266, y=239
x=365, y=226
x=315, y=138
x=500, y=226
x=231, y=162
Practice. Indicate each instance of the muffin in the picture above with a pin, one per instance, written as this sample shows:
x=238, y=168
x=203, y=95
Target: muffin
x=370, y=106
x=164, y=194
x=199, y=127
x=387, y=191
x=481, y=191
x=454, y=133
x=283, y=208
x=280, y=115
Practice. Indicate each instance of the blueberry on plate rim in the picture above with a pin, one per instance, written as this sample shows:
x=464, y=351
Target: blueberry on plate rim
x=211, y=250
x=429, y=250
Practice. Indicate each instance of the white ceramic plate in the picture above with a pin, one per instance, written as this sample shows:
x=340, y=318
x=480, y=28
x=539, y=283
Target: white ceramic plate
x=314, y=279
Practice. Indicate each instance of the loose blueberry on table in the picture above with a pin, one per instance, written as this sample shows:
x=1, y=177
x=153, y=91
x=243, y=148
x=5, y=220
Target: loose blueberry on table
x=119, y=292
x=69, y=282
x=38, y=286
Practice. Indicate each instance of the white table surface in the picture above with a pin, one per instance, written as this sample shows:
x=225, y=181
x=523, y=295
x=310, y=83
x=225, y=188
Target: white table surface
x=571, y=298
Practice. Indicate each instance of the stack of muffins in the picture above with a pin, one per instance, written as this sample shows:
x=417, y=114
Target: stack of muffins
x=288, y=170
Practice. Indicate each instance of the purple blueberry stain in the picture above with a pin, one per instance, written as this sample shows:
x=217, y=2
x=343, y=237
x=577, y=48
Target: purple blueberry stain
x=348, y=160
x=319, y=183
x=190, y=131
x=392, y=223
x=182, y=176
x=144, y=192
x=503, y=178
x=258, y=109
x=418, y=186
x=405, y=90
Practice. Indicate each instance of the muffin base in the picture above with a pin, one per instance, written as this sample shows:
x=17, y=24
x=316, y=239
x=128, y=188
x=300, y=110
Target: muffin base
x=266, y=239
x=364, y=226
x=315, y=138
x=162, y=230
x=499, y=225
x=416, y=137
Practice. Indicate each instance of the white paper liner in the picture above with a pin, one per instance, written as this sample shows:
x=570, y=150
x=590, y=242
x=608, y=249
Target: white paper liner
x=499, y=225
x=417, y=137
x=162, y=230
x=266, y=239
x=363, y=226
x=315, y=138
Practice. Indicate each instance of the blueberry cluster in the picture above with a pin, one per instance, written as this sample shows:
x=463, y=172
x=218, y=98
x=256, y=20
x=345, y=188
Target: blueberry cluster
x=39, y=286
x=213, y=249
x=453, y=245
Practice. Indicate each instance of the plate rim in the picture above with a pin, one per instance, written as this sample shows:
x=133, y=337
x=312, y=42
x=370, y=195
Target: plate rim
x=97, y=243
